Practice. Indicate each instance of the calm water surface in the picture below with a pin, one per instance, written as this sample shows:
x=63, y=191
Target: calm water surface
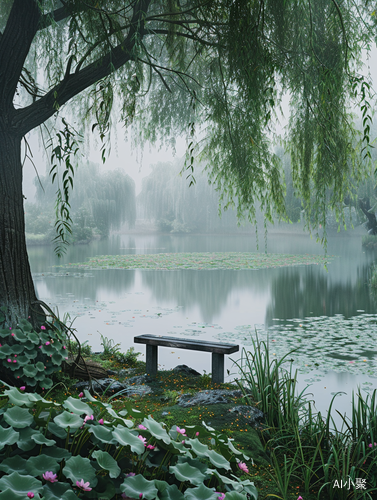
x=329, y=315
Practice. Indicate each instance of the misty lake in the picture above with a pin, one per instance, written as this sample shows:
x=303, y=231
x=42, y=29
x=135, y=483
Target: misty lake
x=330, y=316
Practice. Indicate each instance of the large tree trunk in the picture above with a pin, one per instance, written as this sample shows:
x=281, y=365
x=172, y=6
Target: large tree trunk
x=17, y=294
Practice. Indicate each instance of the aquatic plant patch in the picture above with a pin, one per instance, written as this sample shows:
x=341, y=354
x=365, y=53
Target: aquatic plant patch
x=326, y=343
x=201, y=261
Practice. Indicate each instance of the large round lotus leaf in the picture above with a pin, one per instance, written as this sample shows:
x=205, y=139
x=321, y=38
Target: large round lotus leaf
x=102, y=433
x=134, y=485
x=234, y=495
x=18, y=417
x=39, y=438
x=21, y=484
x=8, y=494
x=40, y=376
x=6, y=349
x=186, y=472
x=126, y=438
x=47, y=383
x=156, y=429
x=168, y=491
x=118, y=419
x=19, y=335
x=106, y=461
x=58, y=491
x=70, y=420
x=30, y=370
x=16, y=348
x=33, y=337
x=14, y=464
x=57, y=453
x=57, y=431
x=202, y=451
x=40, y=366
x=24, y=441
x=57, y=358
x=18, y=398
x=29, y=351
x=41, y=402
x=36, y=466
x=77, y=468
x=204, y=493
x=77, y=406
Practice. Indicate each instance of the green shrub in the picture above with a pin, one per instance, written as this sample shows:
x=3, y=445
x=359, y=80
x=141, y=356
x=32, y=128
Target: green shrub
x=28, y=357
x=54, y=451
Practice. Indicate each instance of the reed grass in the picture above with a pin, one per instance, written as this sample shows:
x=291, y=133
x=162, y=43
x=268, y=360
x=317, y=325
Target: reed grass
x=306, y=447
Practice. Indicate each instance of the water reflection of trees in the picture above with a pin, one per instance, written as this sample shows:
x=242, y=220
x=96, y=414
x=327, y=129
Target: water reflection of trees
x=111, y=282
x=207, y=290
x=297, y=293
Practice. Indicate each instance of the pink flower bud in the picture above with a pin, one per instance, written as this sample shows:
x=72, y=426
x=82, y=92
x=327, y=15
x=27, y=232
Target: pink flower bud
x=22, y=388
x=100, y=421
x=43, y=327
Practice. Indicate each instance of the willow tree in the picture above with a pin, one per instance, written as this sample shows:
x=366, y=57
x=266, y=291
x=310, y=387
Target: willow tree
x=214, y=70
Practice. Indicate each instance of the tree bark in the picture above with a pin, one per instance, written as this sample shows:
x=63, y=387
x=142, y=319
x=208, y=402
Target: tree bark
x=17, y=295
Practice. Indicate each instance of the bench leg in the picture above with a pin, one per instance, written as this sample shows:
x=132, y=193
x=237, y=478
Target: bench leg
x=151, y=360
x=217, y=368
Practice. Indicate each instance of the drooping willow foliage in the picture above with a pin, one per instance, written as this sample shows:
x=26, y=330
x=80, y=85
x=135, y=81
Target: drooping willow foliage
x=212, y=70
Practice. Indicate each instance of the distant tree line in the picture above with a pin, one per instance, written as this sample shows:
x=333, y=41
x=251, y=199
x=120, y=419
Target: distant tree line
x=101, y=202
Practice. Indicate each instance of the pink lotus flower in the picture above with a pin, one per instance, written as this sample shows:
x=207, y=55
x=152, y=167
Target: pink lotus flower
x=371, y=445
x=43, y=327
x=300, y=498
x=64, y=347
x=130, y=474
x=88, y=417
x=150, y=447
x=15, y=361
x=22, y=388
x=140, y=426
x=181, y=431
x=143, y=439
x=30, y=494
x=12, y=334
x=243, y=467
x=50, y=477
x=9, y=360
x=221, y=495
x=100, y=421
x=197, y=434
x=47, y=343
x=81, y=395
x=83, y=486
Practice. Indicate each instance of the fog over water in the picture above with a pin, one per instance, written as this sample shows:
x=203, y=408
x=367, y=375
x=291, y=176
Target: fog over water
x=332, y=312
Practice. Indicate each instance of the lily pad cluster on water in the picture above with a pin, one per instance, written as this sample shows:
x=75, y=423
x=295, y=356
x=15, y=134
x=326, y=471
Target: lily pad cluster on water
x=200, y=261
x=324, y=343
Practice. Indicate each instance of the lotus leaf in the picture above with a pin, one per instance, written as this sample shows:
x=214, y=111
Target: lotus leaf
x=14, y=464
x=126, y=438
x=157, y=430
x=58, y=491
x=132, y=487
x=77, y=468
x=202, y=493
x=20, y=484
x=18, y=417
x=70, y=420
x=106, y=461
x=185, y=472
x=36, y=466
x=77, y=406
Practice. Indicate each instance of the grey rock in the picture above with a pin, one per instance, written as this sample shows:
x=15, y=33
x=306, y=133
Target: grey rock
x=210, y=397
x=139, y=380
x=164, y=413
x=124, y=372
x=136, y=390
x=104, y=384
x=250, y=413
x=186, y=370
x=111, y=372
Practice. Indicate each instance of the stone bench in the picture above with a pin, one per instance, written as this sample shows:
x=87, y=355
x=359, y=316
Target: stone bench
x=216, y=348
